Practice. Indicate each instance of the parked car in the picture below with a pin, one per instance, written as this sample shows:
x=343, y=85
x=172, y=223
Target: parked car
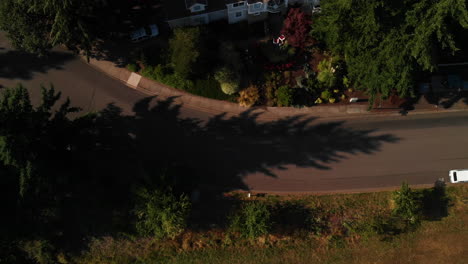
x=144, y=33
x=458, y=176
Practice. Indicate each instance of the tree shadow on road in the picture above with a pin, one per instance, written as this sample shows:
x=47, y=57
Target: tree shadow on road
x=108, y=159
x=21, y=65
x=225, y=149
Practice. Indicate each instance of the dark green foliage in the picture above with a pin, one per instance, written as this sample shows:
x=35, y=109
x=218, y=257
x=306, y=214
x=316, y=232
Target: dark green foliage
x=251, y=220
x=284, y=96
x=166, y=76
x=230, y=57
x=209, y=88
x=275, y=54
x=31, y=136
x=38, y=25
x=161, y=213
x=184, y=49
x=407, y=206
x=132, y=67
x=385, y=42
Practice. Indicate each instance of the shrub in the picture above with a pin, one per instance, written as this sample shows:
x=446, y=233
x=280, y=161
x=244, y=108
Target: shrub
x=407, y=207
x=284, y=96
x=327, y=73
x=251, y=220
x=326, y=95
x=132, y=67
x=164, y=75
x=248, y=97
x=38, y=250
x=209, y=88
x=160, y=213
x=228, y=80
x=271, y=85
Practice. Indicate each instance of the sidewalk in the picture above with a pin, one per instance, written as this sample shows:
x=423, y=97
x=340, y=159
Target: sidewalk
x=214, y=107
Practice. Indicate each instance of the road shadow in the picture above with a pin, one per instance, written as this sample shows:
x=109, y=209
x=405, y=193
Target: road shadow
x=109, y=155
x=21, y=65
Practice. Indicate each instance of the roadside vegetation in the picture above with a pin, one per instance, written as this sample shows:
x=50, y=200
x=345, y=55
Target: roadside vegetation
x=374, y=49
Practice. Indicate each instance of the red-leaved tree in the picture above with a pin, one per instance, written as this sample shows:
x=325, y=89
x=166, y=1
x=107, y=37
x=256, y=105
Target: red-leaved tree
x=296, y=28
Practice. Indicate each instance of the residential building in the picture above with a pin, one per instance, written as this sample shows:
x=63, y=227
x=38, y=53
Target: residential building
x=196, y=12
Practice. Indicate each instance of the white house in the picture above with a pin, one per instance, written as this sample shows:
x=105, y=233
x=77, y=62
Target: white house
x=196, y=12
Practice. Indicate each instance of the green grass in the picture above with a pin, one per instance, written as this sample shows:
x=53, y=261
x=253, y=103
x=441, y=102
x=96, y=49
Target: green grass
x=347, y=238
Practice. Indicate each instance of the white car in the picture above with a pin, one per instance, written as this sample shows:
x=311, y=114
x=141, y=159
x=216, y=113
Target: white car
x=144, y=33
x=458, y=176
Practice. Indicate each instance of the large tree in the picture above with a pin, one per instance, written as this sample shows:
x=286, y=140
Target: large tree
x=185, y=50
x=37, y=25
x=385, y=42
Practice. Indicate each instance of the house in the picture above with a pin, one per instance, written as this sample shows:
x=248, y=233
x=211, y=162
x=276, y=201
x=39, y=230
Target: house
x=196, y=12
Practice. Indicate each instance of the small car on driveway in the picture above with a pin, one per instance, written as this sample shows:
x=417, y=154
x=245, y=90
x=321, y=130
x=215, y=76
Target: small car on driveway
x=144, y=33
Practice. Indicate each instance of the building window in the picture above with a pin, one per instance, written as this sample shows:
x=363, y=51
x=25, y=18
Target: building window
x=238, y=4
x=238, y=14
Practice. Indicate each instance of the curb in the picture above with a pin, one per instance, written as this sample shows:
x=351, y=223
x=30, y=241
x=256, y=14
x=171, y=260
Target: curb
x=153, y=88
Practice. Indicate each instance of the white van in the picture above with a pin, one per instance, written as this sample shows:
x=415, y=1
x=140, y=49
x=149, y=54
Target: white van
x=458, y=176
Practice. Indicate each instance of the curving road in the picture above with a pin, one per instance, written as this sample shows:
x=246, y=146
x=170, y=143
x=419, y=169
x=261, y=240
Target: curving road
x=424, y=147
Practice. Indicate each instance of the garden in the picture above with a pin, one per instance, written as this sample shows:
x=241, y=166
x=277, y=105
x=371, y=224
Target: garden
x=246, y=64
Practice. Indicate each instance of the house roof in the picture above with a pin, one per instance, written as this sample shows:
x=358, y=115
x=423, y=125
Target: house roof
x=180, y=8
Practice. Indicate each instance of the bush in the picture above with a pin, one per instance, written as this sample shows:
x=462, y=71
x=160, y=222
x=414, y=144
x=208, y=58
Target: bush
x=248, y=97
x=41, y=251
x=326, y=95
x=209, y=88
x=407, y=206
x=251, y=220
x=284, y=96
x=228, y=80
x=327, y=73
x=132, y=67
x=271, y=85
x=164, y=75
x=160, y=213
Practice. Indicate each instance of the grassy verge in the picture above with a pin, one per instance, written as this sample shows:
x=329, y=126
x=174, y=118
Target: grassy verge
x=343, y=230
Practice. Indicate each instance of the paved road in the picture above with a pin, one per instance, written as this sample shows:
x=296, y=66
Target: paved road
x=427, y=146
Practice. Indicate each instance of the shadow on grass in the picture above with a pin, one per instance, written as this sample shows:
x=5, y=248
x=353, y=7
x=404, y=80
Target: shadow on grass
x=435, y=202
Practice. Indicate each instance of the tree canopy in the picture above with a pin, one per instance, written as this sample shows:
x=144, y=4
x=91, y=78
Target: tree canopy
x=184, y=48
x=385, y=42
x=37, y=25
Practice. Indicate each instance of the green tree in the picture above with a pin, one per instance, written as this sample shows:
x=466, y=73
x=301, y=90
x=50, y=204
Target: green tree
x=35, y=140
x=407, y=206
x=184, y=50
x=36, y=26
x=385, y=42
